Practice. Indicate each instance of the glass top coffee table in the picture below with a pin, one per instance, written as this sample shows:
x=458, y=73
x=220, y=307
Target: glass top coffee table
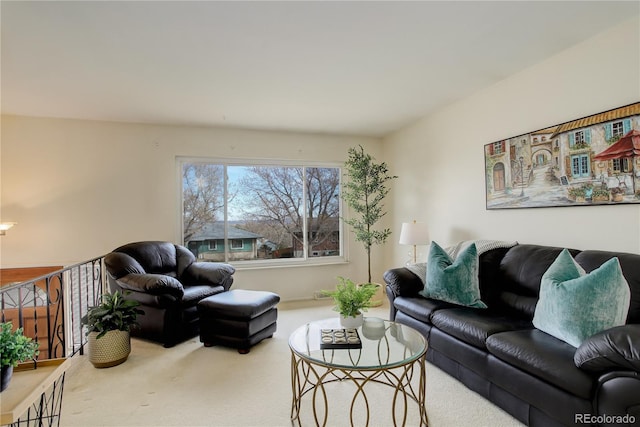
x=388, y=353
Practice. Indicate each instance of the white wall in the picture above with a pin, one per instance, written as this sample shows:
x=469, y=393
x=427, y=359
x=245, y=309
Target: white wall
x=80, y=188
x=440, y=160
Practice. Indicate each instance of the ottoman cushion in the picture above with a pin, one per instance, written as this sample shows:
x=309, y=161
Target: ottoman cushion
x=238, y=304
x=238, y=318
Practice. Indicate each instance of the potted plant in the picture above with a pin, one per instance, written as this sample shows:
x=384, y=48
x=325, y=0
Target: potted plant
x=108, y=326
x=351, y=300
x=577, y=194
x=14, y=348
x=364, y=193
x=617, y=194
x=600, y=195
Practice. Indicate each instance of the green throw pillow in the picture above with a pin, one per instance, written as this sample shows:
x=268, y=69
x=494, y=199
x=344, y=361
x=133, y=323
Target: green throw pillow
x=454, y=281
x=574, y=305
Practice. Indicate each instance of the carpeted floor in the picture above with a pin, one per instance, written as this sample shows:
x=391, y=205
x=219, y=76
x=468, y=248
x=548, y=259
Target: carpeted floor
x=190, y=385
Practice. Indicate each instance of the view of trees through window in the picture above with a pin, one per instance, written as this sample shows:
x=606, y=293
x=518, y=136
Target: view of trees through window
x=260, y=212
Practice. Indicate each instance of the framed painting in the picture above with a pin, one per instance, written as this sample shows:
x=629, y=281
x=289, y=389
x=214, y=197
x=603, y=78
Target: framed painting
x=590, y=161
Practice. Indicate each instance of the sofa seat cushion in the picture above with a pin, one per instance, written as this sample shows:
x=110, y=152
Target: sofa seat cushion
x=420, y=308
x=474, y=326
x=542, y=356
x=193, y=294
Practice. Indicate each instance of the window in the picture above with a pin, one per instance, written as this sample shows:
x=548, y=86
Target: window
x=260, y=213
x=616, y=129
x=237, y=244
x=621, y=165
x=580, y=139
x=580, y=165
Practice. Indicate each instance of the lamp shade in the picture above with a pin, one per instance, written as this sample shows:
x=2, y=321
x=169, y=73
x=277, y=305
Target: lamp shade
x=414, y=233
x=4, y=226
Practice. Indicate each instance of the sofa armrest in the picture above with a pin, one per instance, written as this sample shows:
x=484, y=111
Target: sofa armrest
x=403, y=282
x=209, y=273
x=614, y=349
x=153, y=284
x=618, y=397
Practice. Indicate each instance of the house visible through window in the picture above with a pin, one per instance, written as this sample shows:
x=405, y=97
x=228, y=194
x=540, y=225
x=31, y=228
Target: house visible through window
x=237, y=212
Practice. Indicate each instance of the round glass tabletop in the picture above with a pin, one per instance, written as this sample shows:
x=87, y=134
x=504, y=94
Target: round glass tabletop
x=384, y=344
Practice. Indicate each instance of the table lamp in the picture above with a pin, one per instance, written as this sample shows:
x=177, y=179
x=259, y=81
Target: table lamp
x=414, y=233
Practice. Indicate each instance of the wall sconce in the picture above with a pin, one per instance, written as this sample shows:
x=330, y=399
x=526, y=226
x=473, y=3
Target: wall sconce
x=4, y=226
x=414, y=233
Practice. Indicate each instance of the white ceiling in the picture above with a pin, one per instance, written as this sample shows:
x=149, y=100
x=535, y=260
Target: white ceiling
x=361, y=68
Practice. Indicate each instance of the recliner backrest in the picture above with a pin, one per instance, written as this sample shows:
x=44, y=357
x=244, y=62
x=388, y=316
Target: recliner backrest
x=154, y=257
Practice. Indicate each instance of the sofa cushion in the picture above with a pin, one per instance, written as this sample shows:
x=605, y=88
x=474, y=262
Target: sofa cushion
x=630, y=263
x=474, y=326
x=574, y=305
x=521, y=270
x=543, y=356
x=454, y=281
x=614, y=349
x=420, y=308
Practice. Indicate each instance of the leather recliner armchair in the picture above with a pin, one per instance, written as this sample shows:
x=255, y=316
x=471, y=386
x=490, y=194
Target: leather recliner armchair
x=168, y=283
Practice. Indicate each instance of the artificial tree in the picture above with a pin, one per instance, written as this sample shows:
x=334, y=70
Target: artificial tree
x=364, y=193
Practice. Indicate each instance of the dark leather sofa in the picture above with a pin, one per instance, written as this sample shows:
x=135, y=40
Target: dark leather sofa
x=499, y=354
x=168, y=283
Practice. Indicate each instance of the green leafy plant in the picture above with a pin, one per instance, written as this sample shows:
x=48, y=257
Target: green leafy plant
x=115, y=313
x=575, y=192
x=600, y=194
x=364, y=192
x=14, y=346
x=351, y=299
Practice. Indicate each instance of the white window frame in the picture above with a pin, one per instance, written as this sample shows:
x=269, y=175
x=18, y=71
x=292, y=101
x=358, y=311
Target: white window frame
x=617, y=129
x=307, y=259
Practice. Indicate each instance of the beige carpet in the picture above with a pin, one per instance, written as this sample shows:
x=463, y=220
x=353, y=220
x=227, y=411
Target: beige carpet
x=190, y=385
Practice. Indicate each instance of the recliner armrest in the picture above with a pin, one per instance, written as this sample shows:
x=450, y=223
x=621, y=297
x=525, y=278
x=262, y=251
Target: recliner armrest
x=209, y=273
x=120, y=264
x=614, y=349
x=154, y=284
x=403, y=282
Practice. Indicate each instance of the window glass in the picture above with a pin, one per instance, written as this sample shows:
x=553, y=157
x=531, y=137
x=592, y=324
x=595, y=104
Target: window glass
x=258, y=213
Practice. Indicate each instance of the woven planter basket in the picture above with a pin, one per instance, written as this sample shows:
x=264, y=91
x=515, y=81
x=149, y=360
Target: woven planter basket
x=110, y=350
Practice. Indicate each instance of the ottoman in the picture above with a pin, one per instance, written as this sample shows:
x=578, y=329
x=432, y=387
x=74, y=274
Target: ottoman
x=238, y=318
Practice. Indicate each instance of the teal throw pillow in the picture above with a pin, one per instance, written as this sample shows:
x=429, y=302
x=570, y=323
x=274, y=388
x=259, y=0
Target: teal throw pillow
x=574, y=305
x=455, y=281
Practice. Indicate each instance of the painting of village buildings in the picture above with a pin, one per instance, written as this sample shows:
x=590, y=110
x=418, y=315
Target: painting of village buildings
x=594, y=160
